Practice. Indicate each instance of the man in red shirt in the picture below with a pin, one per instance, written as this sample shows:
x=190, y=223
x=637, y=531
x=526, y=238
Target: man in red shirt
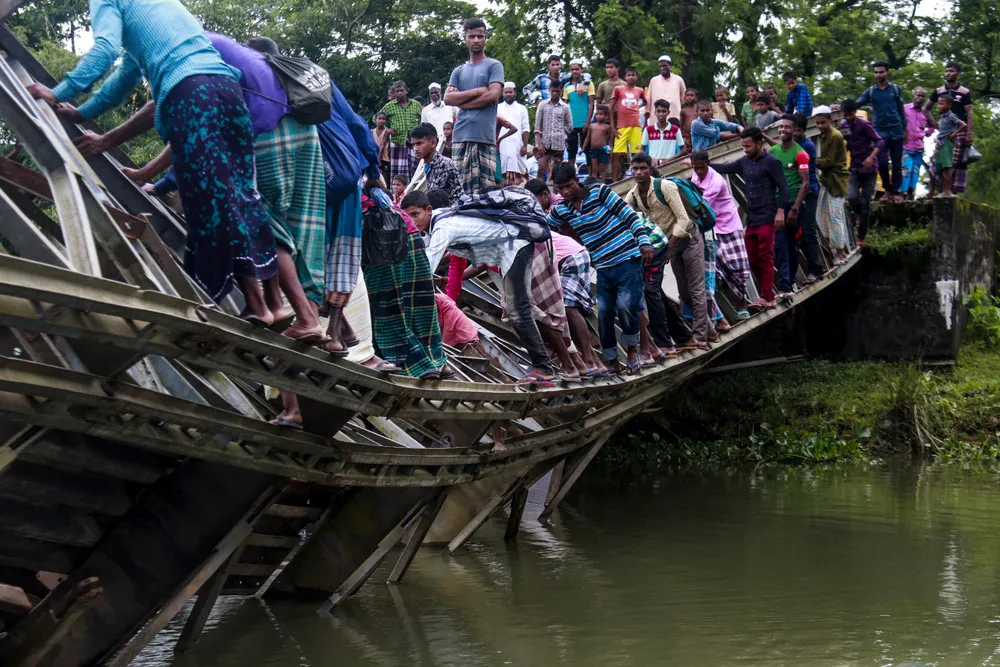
x=625, y=119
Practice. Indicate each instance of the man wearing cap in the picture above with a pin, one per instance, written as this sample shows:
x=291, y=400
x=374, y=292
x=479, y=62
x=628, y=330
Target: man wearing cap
x=667, y=86
x=437, y=113
x=514, y=148
x=579, y=93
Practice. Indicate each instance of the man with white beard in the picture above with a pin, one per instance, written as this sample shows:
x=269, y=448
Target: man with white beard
x=514, y=148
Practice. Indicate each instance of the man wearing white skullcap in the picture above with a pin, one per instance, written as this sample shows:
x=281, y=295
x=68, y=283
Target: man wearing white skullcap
x=437, y=113
x=666, y=86
x=514, y=148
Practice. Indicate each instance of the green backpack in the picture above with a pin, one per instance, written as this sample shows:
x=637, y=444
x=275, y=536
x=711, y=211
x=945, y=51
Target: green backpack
x=694, y=202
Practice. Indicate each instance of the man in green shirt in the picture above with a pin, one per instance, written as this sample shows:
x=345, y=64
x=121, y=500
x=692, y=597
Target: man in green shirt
x=404, y=116
x=795, y=162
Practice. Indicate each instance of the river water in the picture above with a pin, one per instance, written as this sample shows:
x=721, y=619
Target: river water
x=782, y=567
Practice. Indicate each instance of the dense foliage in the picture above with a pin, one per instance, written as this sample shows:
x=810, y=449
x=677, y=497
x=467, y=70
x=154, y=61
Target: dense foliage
x=367, y=44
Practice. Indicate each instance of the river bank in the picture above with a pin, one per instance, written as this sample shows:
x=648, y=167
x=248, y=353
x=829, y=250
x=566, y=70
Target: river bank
x=817, y=411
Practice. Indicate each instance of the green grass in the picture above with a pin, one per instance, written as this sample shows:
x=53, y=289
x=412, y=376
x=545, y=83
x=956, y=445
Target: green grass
x=822, y=412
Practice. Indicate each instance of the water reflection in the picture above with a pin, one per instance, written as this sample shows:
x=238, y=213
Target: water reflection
x=786, y=567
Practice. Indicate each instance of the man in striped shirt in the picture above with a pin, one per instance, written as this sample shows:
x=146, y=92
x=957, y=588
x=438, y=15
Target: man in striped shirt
x=618, y=245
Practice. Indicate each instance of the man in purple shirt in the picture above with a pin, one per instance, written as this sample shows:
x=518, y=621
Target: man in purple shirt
x=864, y=144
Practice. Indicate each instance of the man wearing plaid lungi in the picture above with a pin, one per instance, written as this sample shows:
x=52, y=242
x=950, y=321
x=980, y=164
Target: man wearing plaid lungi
x=475, y=88
x=404, y=115
x=961, y=107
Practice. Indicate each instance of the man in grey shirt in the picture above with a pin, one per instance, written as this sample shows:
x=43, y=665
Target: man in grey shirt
x=475, y=89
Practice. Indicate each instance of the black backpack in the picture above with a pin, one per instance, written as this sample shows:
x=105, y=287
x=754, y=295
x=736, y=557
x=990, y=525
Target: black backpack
x=385, y=238
x=307, y=86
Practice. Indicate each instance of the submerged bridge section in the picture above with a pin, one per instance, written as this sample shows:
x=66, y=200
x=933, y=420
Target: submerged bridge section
x=137, y=467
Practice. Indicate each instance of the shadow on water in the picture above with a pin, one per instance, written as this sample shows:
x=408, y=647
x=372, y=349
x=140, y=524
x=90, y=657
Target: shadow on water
x=790, y=566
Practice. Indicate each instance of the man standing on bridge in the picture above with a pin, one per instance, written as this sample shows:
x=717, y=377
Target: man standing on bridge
x=618, y=245
x=890, y=121
x=767, y=199
x=865, y=144
x=475, y=88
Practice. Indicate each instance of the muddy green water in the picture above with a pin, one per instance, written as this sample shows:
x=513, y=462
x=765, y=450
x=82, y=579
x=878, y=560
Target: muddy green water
x=783, y=567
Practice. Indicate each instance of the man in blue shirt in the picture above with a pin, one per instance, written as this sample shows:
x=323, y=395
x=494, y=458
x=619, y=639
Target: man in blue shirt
x=886, y=100
x=618, y=245
x=707, y=131
x=798, y=98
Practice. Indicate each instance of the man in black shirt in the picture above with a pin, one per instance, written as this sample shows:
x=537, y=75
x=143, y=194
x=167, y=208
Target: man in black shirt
x=962, y=107
x=767, y=199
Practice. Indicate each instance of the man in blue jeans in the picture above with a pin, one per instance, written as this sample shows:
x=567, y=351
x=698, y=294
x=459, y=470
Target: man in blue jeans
x=886, y=100
x=619, y=246
x=864, y=144
x=807, y=212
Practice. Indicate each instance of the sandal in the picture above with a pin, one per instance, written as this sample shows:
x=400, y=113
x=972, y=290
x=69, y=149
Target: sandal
x=597, y=373
x=325, y=346
x=279, y=326
x=256, y=321
x=307, y=337
x=285, y=423
x=386, y=367
x=537, y=379
x=448, y=372
x=633, y=368
x=353, y=342
x=431, y=375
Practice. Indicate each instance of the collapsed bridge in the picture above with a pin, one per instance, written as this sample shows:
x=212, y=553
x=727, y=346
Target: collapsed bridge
x=137, y=467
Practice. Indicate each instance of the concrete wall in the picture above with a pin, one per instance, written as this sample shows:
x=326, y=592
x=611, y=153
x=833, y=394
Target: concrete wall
x=909, y=301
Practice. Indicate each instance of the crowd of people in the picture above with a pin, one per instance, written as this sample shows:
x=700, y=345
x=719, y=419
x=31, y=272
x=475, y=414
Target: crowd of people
x=274, y=205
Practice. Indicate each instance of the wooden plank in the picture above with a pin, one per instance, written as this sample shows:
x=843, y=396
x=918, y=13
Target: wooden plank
x=517, y=504
x=14, y=601
x=491, y=506
x=572, y=477
x=49, y=487
x=194, y=581
x=74, y=453
x=365, y=570
x=207, y=596
x=427, y=517
x=273, y=541
x=294, y=512
x=37, y=555
x=251, y=570
x=48, y=525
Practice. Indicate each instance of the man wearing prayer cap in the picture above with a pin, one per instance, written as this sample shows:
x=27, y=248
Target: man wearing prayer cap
x=666, y=86
x=437, y=113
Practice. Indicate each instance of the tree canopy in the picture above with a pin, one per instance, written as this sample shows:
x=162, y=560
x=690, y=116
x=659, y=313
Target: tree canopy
x=367, y=44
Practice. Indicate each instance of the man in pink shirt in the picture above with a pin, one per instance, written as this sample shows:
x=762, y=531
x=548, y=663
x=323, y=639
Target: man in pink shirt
x=732, y=261
x=919, y=124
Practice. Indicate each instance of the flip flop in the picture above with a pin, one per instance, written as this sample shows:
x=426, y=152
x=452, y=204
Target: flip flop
x=634, y=368
x=285, y=423
x=536, y=379
x=254, y=320
x=309, y=337
x=342, y=354
x=596, y=373
x=430, y=375
x=353, y=342
x=280, y=325
x=387, y=367
x=448, y=372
